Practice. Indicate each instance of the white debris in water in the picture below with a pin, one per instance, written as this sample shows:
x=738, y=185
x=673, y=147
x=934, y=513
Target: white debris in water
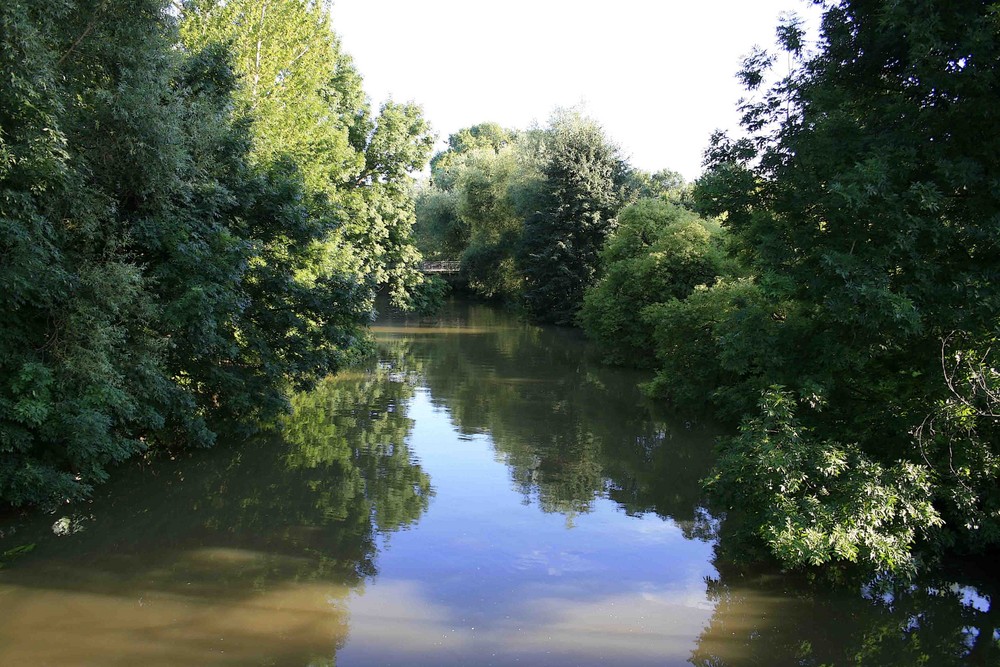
x=63, y=526
x=70, y=524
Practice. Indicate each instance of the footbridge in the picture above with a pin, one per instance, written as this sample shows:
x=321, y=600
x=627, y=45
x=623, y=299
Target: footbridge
x=446, y=267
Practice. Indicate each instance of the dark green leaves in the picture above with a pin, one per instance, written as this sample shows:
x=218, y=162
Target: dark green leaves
x=863, y=206
x=187, y=229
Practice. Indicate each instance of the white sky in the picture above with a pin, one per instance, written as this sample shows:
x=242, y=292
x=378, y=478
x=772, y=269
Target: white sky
x=659, y=75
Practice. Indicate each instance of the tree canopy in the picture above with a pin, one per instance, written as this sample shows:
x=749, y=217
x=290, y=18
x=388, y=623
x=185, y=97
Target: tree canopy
x=196, y=210
x=862, y=209
x=528, y=212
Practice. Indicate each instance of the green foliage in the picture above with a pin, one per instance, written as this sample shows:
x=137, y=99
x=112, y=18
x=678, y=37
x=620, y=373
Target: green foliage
x=440, y=234
x=427, y=297
x=815, y=501
x=173, y=226
x=380, y=221
x=484, y=205
x=664, y=184
x=470, y=211
x=862, y=210
x=528, y=213
x=720, y=346
x=303, y=98
x=584, y=181
x=956, y=438
x=484, y=136
x=88, y=168
x=284, y=54
x=658, y=252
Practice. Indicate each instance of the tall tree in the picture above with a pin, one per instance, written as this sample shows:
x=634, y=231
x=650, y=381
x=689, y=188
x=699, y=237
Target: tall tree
x=585, y=181
x=864, y=203
x=304, y=98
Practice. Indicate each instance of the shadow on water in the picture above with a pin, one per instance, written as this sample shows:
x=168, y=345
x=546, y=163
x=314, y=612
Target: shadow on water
x=768, y=618
x=238, y=554
x=571, y=431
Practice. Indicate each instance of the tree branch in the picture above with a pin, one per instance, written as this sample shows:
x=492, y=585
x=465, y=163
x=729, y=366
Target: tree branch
x=90, y=26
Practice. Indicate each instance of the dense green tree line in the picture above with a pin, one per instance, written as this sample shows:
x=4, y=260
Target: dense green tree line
x=836, y=299
x=863, y=208
x=528, y=212
x=196, y=208
x=848, y=321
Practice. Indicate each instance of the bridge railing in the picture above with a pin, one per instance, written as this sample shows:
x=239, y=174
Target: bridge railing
x=447, y=266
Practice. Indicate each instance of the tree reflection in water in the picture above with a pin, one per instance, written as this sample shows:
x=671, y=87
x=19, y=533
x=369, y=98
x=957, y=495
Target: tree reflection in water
x=262, y=544
x=256, y=545
x=571, y=431
x=765, y=618
x=357, y=425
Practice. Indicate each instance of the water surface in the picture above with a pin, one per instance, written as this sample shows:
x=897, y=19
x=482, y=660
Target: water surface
x=482, y=493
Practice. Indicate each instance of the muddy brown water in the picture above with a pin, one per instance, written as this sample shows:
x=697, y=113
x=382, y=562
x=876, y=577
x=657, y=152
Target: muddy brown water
x=484, y=493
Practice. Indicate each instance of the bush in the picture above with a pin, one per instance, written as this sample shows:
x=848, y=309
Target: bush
x=658, y=253
x=815, y=501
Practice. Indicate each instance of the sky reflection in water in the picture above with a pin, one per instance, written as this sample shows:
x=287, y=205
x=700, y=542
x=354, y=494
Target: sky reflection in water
x=487, y=575
x=484, y=493
x=523, y=556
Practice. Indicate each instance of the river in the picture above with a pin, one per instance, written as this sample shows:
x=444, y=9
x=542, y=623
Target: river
x=484, y=493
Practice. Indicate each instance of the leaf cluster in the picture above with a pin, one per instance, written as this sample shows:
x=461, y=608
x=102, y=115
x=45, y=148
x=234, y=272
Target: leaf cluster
x=658, y=253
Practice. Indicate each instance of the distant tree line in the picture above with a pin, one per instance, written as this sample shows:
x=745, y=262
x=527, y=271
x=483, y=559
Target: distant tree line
x=830, y=284
x=527, y=212
x=197, y=205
